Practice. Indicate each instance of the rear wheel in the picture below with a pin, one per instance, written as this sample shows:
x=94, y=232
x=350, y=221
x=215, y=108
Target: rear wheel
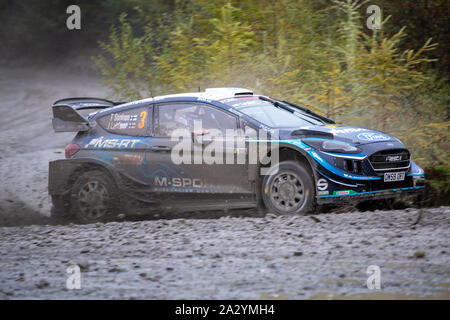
x=290, y=190
x=94, y=197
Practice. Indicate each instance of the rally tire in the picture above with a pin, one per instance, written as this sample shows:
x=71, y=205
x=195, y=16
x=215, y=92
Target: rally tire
x=94, y=197
x=289, y=191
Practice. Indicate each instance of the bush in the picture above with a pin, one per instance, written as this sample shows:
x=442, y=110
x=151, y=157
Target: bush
x=438, y=185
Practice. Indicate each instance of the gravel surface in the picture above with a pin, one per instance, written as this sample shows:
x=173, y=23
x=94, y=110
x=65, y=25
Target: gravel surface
x=232, y=257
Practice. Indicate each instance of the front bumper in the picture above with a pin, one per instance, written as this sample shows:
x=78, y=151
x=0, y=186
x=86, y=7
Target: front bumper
x=371, y=195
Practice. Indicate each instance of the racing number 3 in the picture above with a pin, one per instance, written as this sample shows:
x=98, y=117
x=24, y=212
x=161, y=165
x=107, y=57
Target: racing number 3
x=141, y=124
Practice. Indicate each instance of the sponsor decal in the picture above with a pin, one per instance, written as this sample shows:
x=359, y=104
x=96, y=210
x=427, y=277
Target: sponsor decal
x=322, y=184
x=129, y=159
x=179, y=182
x=101, y=143
x=373, y=136
x=343, y=192
x=323, y=193
x=347, y=130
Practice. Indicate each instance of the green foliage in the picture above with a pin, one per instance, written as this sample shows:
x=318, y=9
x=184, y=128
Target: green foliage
x=389, y=75
x=228, y=47
x=180, y=62
x=192, y=59
x=127, y=66
x=316, y=53
x=438, y=180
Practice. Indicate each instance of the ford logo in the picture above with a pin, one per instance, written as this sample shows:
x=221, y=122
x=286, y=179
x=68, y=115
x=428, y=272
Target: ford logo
x=393, y=158
x=372, y=136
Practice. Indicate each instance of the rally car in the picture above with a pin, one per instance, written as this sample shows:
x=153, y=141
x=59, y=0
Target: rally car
x=154, y=155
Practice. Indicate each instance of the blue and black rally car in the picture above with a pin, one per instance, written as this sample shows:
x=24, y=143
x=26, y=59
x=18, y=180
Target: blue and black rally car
x=130, y=157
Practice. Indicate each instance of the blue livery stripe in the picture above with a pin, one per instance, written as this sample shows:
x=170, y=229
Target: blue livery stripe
x=369, y=192
x=319, y=159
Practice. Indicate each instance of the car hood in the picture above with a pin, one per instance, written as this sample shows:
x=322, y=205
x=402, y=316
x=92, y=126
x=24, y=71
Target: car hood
x=354, y=135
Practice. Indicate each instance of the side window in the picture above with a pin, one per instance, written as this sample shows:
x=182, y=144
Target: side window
x=130, y=122
x=185, y=115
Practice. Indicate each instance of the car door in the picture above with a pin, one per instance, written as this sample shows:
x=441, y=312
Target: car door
x=144, y=163
x=196, y=159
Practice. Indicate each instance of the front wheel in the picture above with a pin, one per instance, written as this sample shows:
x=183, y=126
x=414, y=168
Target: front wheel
x=290, y=190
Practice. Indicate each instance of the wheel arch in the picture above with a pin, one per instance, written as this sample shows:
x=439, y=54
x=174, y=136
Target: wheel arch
x=85, y=165
x=63, y=173
x=291, y=152
x=287, y=152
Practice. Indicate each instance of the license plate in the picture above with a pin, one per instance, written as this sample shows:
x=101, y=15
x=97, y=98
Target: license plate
x=394, y=176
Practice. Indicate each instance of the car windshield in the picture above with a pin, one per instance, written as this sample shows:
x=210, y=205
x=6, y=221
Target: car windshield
x=272, y=114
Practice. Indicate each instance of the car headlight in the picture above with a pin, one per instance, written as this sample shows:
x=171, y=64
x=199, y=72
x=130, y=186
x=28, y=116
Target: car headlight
x=331, y=146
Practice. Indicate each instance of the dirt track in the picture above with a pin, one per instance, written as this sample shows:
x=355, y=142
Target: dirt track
x=228, y=257
x=232, y=258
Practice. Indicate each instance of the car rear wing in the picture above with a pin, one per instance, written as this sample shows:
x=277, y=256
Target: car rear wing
x=67, y=116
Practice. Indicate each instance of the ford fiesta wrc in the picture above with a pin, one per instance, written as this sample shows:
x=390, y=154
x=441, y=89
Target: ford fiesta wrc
x=125, y=157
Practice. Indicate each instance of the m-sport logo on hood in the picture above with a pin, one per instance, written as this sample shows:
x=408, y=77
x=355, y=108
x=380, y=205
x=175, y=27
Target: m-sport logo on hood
x=373, y=136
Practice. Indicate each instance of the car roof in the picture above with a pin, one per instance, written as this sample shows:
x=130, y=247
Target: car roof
x=211, y=94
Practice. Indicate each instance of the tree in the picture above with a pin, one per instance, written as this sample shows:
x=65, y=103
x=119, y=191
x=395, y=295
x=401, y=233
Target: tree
x=227, y=47
x=179, y=66
x=127, y=64
x=387, y=75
